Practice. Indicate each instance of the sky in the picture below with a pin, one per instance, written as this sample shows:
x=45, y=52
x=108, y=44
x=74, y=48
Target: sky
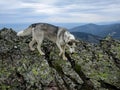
x=59, y=11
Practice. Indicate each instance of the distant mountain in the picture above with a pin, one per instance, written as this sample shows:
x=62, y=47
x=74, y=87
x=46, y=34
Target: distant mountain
x=87, y=37
x=99, y=30
x=21, y=26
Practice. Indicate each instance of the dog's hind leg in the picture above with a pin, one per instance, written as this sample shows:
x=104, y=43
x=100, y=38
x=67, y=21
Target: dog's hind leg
x=39, y=48
x=33, y=41
x=39, y=41
x=31, y=44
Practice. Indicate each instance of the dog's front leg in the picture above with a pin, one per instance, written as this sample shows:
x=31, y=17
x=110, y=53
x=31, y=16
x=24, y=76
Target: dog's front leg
x=60, y=48
x=63, y=54
x=62, y=51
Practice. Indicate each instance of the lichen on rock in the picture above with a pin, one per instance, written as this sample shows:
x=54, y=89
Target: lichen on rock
x=92, y=67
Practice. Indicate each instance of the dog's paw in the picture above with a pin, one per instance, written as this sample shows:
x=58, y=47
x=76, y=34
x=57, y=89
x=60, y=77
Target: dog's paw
x=32, y=49
x=42, y=53
x=65, y=58
x=60, y=54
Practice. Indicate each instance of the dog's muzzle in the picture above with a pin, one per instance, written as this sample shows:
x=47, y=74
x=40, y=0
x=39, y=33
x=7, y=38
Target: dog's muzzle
x=72, y=50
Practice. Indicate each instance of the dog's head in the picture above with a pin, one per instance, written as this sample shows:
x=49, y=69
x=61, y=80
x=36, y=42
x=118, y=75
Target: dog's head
x=70, y=41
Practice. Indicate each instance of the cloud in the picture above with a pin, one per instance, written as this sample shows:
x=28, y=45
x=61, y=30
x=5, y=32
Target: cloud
x=22, y=11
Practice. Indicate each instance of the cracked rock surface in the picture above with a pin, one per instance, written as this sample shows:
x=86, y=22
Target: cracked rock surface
x=92, y=67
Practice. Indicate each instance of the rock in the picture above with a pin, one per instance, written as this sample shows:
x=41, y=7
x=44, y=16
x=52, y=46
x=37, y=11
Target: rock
x=92, y=67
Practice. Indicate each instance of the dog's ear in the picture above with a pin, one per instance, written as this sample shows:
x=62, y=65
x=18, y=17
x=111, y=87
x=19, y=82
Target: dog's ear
x=75, y=41
x=70, y=43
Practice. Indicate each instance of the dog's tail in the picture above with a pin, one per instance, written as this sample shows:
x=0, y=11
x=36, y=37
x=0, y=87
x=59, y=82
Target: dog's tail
x=25, y=32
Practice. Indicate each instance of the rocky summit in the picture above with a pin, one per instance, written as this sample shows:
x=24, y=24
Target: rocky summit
x=92, y=67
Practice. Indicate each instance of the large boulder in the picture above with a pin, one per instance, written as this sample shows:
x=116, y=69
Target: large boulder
x=92, y=67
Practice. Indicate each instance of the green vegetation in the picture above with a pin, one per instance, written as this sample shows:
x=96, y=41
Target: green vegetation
x=88, y=69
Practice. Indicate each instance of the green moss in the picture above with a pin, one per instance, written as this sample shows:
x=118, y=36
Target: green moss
x=102, y=75
x=77, y=67
x=60, y=62
x=4, y=87
x=35, y=72
x=100, y=55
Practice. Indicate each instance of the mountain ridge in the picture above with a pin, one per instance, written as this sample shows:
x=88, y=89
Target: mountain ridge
x=79, y=35
x=87, y=37
x=99, y=30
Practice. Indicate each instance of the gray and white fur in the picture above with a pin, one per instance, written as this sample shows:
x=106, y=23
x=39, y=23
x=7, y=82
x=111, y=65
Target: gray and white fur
x=58, y=35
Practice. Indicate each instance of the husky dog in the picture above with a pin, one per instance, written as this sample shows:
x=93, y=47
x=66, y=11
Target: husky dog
x=56, y=34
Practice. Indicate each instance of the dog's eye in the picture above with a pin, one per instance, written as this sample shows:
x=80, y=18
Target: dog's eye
x=70, y=43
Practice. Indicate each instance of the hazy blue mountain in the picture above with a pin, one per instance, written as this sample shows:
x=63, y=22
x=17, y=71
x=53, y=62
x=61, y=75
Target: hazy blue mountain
x=99, y=30
x=17, y=27
x=21, y=26
x=87, y=37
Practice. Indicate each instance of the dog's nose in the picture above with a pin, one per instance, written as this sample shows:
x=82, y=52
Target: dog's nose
x=72, y=53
